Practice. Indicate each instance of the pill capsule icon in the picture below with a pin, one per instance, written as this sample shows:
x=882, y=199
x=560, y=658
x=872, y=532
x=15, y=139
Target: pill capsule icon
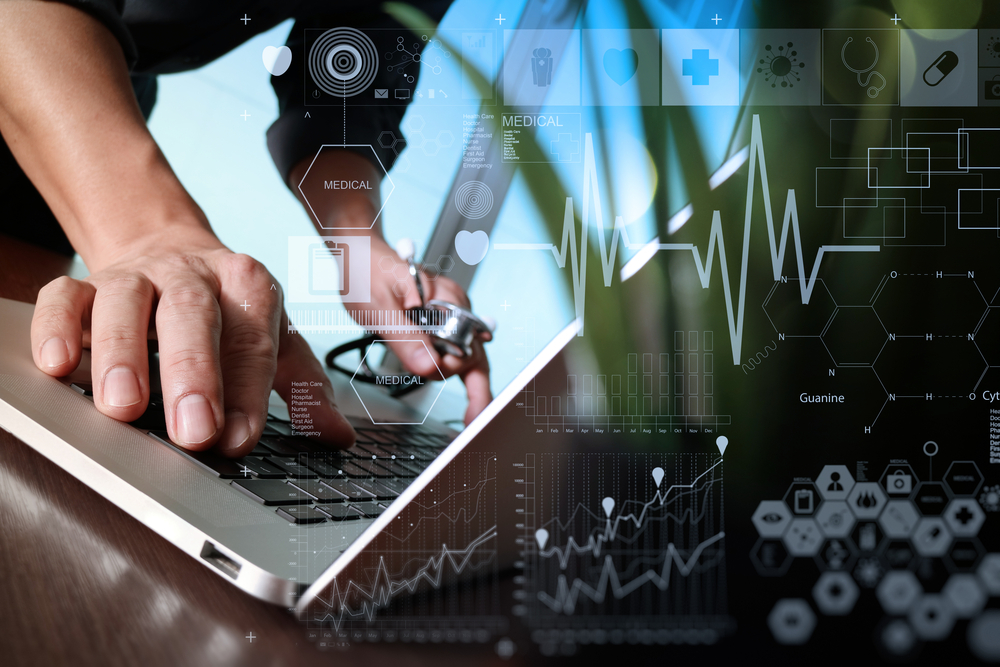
x=940, y=68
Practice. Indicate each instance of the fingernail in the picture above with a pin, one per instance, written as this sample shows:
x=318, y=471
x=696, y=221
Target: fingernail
x=121, y=388
x=54, y=353
x=195, y=421
x=237, y=430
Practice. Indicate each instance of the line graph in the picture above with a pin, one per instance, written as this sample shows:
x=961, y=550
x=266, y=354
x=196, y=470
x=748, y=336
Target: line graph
x=567, y=594
x=363, y=600
x=431, y=574
x=594, y=542
x=716, y=241
x=616, y=541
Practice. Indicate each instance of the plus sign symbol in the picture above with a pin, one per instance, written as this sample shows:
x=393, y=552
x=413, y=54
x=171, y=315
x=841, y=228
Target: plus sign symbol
x=700, y=67
x=565, y=147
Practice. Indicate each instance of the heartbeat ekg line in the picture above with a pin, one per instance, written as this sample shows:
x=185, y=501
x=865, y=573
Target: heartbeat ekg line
x=567, y=595
x=715, y=240
x=594, y=543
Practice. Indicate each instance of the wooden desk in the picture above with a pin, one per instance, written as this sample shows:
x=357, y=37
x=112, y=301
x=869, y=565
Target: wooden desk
x=84, y=583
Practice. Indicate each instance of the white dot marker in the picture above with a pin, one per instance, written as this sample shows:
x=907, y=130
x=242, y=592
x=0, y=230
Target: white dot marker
x=608, y=504
x=541, y=536
x=722, y=442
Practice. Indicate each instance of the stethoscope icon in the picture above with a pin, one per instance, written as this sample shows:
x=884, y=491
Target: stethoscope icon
x=873, y=91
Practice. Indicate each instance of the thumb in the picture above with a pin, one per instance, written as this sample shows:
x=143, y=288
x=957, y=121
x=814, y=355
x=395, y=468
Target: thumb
x=299, y=369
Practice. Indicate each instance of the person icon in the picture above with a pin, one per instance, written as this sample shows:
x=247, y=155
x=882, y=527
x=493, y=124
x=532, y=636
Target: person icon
x=835, y=484
x=541, y=67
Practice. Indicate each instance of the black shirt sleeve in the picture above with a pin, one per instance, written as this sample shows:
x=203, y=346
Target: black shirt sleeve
x=109, y=12
x=293, y=137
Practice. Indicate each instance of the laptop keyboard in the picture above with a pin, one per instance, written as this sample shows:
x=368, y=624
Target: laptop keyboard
x=307, y=482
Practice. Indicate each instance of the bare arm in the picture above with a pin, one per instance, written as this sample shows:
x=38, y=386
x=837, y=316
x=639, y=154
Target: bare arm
x=357, y=208
x=68, y=113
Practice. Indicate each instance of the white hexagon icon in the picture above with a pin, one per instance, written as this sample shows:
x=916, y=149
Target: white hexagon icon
x=932, y=537
x=835, y=593
x=399, y=380
x=835, y=482
x=803, y=537
x=989, y=573
x=932, y=617
x=791, y=621
x=314, y=184
x=964, y=516
x=898, y=591
x=965, y=595
x=866, y=500
x=835, y=519
x=899, y=519
x=772, y=518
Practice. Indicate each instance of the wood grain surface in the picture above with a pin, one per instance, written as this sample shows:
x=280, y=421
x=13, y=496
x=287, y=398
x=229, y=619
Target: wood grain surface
x=86, y=584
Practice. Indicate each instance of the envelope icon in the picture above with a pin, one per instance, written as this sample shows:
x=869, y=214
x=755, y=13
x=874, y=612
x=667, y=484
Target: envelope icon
x=381, y=93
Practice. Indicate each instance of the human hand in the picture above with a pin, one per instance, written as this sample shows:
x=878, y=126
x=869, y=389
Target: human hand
x=424, y=360
x=218, y=359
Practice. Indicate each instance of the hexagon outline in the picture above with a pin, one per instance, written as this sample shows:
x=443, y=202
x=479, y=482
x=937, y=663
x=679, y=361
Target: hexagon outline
x=444, y=381
x=788, y=634
x=760, y=567
x=827, y=511
x=936, y=626
x=807, y=525
x=978, y=486
x=777, y=507
x=824, y=598
x=852, y=555
x=988, y=572
x=903, y=581
x=932, y=550
x=381, y=166
x=914, y=480
x=949, y=557
x=893, y=522
x=871, y=490
x=968, y=602
x=829, y=494
x=958, y=529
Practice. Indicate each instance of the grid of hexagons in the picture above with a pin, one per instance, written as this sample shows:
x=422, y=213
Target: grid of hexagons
x=887, y=537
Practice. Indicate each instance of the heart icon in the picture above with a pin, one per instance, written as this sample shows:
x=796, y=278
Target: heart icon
x=472, y=246
x=621, y=65
x=277, y=59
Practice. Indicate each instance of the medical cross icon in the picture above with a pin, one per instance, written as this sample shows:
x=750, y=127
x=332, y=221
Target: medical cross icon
x=699, y=67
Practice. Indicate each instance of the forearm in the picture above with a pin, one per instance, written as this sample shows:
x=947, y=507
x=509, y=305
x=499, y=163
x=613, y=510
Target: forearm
x=69, y=116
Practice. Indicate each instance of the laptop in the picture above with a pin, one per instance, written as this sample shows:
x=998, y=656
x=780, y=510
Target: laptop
x=327, y=533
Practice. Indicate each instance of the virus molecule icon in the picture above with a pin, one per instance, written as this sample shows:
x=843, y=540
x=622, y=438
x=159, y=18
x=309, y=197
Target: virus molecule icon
x=780, y=66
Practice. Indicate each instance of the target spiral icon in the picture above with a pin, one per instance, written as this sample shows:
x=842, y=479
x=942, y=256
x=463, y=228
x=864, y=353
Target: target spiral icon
x=474, y=200
x=343, y=62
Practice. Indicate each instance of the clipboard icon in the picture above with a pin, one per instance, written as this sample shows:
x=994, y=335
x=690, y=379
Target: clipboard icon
x=329, y=268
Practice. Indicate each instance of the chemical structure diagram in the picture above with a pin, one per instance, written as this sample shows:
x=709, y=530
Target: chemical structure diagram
x=880, y=334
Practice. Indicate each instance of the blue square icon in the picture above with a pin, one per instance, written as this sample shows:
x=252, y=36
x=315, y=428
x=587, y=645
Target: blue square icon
x=701, y=67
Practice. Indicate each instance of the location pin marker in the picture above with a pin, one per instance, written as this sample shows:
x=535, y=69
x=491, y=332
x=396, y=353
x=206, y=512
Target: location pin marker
x=722, y=442
x=657, y=476
x=542, y=536
x=609, y=504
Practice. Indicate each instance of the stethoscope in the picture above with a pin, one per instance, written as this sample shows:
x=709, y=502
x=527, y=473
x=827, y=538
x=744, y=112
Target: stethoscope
x=872, y=90
x=452, y=329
